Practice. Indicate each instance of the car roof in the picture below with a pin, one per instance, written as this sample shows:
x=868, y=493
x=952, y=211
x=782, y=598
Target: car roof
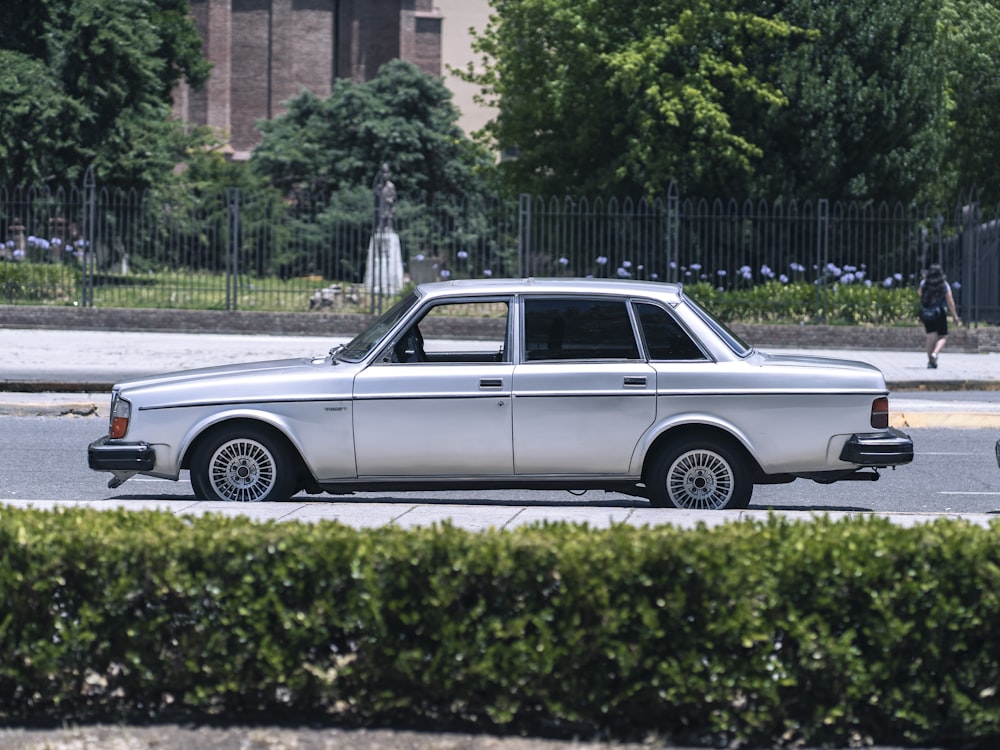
x=550, y=286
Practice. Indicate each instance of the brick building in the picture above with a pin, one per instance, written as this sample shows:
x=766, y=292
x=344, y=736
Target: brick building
x=265, y=52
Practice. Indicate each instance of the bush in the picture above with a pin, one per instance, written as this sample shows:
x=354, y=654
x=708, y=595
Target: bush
x=39, y=282
x=848, y=632
x=802, y=302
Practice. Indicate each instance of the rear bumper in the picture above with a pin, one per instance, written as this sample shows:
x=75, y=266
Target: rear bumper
x=103, y=455
x=889, y=448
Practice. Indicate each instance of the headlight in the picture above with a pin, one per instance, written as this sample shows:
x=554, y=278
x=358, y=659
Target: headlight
x=121, y=412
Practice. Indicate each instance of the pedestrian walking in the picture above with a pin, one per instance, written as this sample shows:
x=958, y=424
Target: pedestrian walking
x=936, y=302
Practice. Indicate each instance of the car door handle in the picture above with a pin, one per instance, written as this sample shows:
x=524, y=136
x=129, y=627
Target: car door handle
x=635, y=381
x=491, y=383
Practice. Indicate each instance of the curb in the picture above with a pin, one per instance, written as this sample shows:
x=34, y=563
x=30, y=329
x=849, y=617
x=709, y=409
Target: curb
x=953, y=419
x=50, y=409
x=929, y=386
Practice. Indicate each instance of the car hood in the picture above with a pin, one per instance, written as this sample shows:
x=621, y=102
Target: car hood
x=276, y=380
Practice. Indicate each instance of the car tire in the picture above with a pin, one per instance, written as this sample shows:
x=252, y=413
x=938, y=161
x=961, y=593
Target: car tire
x=700, y=473
x=243, y=464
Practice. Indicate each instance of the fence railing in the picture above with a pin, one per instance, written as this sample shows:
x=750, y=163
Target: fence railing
x=250, y=250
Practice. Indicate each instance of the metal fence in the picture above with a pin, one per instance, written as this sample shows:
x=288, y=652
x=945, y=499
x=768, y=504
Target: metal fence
x=251, y=250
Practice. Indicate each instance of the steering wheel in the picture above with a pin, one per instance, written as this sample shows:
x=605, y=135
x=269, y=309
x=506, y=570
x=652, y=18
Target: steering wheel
x=410, y=347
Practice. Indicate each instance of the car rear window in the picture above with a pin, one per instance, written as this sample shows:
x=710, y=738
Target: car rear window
x=665, y=339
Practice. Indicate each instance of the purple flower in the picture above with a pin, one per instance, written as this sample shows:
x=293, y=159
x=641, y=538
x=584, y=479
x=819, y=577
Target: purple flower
x=601, y=260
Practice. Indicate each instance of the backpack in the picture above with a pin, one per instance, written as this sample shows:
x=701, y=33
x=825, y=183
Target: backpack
x=932, y=311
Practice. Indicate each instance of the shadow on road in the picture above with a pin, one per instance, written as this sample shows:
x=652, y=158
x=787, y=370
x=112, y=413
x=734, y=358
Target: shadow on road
x=592, y=499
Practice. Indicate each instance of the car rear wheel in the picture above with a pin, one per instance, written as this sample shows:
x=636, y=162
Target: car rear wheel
x=243, y=464
x=704, y=473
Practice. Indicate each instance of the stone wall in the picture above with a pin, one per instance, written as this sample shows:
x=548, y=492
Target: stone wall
x=902, y=338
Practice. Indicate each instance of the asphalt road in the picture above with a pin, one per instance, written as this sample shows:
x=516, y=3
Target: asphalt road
x=954, y=472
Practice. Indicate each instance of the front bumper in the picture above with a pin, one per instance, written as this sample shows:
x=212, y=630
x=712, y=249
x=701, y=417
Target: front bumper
x=103, y=455
x=889, y=448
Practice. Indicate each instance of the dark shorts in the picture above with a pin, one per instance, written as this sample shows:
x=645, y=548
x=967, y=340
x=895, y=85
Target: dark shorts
x=939, y=325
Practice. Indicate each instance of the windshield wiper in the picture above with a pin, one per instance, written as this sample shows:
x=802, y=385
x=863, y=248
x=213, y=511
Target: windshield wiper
x=333, y=353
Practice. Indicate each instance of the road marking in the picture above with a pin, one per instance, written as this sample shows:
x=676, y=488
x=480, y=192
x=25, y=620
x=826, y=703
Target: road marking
x=969, y=493
x=934, y=453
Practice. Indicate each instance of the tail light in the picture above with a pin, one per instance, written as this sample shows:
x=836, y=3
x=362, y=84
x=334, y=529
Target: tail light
x=880, y=413
x=121, y=412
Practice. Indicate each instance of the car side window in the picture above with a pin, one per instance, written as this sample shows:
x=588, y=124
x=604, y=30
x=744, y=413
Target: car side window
x=577, y=328
x=665, y=339
x=456, y=332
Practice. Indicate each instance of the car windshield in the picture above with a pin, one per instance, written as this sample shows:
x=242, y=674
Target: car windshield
x=734, y=342
x=361, y=345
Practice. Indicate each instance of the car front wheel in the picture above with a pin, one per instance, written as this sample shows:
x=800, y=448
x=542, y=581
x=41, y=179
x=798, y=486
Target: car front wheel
x=242, y=464
x=703, y=473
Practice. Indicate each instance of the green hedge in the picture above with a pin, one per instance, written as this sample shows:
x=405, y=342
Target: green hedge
x=39, y=282
x=802, y=302
x=762, y=633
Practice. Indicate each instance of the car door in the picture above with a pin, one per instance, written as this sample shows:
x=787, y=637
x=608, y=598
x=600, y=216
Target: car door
x=437, y=408
x=582, y=395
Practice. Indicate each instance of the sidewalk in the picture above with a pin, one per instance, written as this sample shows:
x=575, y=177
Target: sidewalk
x=71, y=371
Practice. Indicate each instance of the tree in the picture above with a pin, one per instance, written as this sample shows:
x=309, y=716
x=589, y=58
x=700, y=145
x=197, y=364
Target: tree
x=969, y=48
x=600, y=96
x=88, y=83
x=402, y=117
x=794, y=98
x=865, y=116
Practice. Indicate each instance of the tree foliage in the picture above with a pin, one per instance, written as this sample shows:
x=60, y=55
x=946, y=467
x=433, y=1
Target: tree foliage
x=865, y=115
x=625, y=97
x=840, y=99
x=969, y=52
x=402, y=117
x=88, y=83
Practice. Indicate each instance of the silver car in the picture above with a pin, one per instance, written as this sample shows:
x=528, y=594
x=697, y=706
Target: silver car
x=538, y=383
